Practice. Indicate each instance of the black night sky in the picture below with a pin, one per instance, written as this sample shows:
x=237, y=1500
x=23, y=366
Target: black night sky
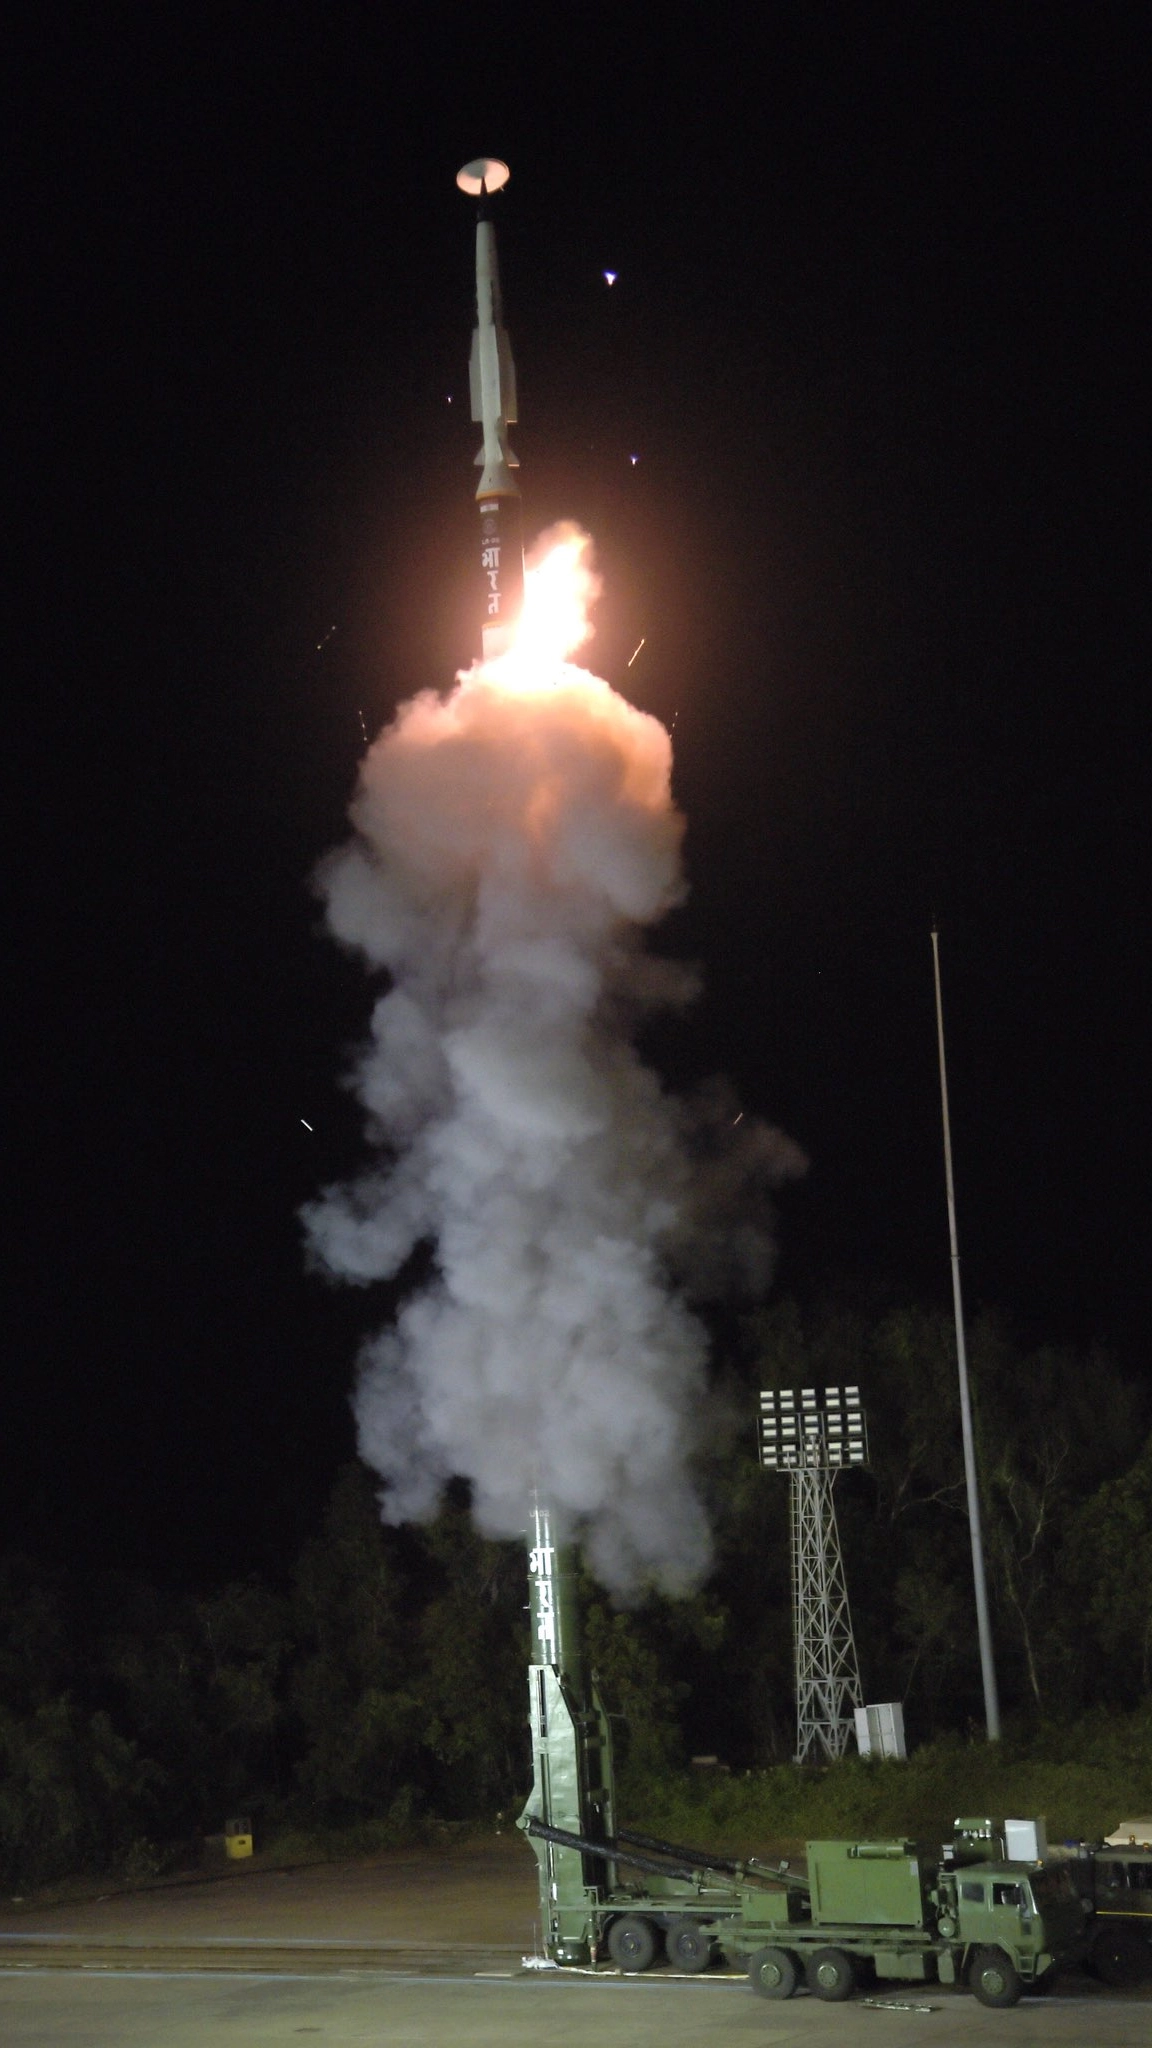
x=879, y=342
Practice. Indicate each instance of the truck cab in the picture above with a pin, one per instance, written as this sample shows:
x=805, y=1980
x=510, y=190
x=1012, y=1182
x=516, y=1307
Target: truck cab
x=1116, y=1886
x=1029, y=1911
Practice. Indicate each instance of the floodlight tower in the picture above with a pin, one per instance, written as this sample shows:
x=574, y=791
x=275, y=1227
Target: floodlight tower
x=811, y=1435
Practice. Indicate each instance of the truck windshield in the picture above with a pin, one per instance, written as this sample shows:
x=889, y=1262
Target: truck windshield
x=1135, y=1877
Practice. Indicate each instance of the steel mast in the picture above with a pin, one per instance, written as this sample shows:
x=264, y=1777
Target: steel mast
x=979, y=1580
x=811, y=1443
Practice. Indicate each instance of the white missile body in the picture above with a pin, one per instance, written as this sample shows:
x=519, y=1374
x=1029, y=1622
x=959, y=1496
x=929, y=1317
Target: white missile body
x=492, y=373
x=492, y=376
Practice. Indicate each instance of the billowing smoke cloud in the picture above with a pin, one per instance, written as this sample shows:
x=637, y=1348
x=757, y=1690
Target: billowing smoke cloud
x=512, y=841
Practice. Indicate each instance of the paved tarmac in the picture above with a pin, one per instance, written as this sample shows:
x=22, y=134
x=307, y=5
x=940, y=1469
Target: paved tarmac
x=422, y=1949
x=62, y=2011
x=478, y=1891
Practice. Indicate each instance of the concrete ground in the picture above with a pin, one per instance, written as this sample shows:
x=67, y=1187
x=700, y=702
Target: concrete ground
x=477, y=1892
x=61, y=2010
x=421, y=1950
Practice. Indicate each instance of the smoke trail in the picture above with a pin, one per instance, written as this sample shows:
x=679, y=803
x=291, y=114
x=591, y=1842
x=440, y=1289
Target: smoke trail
x=512, y=842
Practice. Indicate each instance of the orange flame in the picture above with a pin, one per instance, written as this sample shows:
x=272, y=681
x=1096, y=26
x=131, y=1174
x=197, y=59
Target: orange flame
x=560, y=588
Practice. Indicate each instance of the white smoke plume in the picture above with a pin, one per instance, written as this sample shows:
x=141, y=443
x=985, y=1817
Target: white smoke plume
x=512, y=842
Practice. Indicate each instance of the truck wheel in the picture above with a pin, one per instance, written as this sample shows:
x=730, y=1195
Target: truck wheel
x=689, y=1948
x=831, y=1974
x=633, y=1942
x=994, y=1977
x=1121, y=1957
x=773, y=1973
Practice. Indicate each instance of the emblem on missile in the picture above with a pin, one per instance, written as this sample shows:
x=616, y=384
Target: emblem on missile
x=492, y=375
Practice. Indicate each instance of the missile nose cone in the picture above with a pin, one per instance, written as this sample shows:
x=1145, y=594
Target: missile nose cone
x=483, y=174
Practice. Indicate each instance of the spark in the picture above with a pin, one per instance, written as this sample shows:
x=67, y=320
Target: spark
x=636, y=650
x=610, y=276
x=306, y=1124
x=737, y=1119
x=363, y=727
x=318, y=647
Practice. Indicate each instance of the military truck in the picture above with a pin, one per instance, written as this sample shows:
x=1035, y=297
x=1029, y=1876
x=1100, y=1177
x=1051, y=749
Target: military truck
x=863, y=1911
x=884, y=1909
x=1114, y=1878
x=894, y=1909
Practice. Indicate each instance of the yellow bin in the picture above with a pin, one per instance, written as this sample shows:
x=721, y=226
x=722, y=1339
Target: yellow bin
x=237, y=1838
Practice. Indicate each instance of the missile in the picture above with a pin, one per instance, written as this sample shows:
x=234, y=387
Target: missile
x=492, y=376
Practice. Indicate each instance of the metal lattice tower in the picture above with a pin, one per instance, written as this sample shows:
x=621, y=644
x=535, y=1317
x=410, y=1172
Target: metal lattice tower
x=811, y=1435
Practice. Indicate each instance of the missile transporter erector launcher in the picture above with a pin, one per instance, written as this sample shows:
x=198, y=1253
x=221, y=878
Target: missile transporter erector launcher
x=590, y=1911
x=972, y=1914
x=572, y=1781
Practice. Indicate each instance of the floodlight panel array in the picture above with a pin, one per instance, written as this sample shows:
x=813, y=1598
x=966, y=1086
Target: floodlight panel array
x=812, y=1426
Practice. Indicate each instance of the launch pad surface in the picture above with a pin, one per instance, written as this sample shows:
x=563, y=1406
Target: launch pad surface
x=478, y=1894
x=425, y=1947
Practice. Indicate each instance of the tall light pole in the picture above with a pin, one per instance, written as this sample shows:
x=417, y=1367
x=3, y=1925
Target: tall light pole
x=987, y=1661
x=811, y=1434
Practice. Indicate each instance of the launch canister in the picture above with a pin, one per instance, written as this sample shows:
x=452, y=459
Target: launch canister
x=553, y=1606
x=492, y=376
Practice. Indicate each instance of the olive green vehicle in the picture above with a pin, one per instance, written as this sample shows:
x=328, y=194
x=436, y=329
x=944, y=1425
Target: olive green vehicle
x=866, y=1911
x=863, y=1911
x=897, y=1910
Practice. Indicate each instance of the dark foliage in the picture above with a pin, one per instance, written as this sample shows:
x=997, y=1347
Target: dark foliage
x=386, y=1678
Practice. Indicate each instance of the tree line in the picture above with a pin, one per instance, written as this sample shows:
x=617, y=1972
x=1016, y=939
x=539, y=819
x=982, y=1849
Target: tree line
x=384, y=1681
